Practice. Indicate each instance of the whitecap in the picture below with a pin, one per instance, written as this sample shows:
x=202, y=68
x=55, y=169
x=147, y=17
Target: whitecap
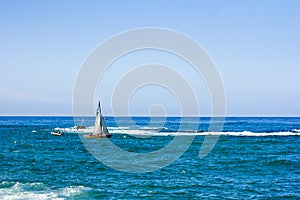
x=73, y=191
x=197, y=133
x=19, y=191
x=296, y=130
x=154, y=131
x=28, y=191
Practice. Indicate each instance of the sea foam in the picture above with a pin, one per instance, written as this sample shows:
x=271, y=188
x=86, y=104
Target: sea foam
x=28, y=191
x=154, y=131
x=195, y=133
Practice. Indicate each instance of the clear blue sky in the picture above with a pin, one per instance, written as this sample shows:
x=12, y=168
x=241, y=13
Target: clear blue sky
x=254, y=44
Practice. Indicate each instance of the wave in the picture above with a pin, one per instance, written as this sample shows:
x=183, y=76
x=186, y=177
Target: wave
x=154, y=131
x=202, y=133
x=74, y=129
x=89, y=129
x=16, y=190
x=296, y=130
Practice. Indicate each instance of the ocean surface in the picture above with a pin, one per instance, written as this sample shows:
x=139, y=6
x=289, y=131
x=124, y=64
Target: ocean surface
x=254, y=158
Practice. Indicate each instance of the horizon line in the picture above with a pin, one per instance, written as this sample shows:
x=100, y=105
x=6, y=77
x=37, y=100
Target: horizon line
x=22, y=115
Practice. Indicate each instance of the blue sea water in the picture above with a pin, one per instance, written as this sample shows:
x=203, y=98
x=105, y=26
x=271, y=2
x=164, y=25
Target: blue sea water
x=242, y=165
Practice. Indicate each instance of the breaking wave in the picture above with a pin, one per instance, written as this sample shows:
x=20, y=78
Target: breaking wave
x=201, y=133
x=154, y=131
x=24, y=191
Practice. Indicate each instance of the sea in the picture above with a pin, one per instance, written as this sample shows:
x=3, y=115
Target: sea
x=252, y=158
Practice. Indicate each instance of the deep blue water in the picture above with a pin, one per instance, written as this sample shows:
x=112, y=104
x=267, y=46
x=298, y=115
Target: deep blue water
x=38, y=165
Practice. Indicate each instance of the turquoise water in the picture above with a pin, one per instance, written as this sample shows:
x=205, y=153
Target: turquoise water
x=243, y=165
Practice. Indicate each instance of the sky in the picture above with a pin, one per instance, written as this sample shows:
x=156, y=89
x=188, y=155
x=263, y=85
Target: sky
x=255, y=46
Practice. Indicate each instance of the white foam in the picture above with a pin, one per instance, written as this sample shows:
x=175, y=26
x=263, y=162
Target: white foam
x=150, y=128
x=28, y=191
x=154, y=131
x=117, y=128
x=88, y=129
x=73, y=191
x=296, y=130
x=187, y=133
x=18, y=192
x=75, y=130
x=247, y=133
x=134, y=132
